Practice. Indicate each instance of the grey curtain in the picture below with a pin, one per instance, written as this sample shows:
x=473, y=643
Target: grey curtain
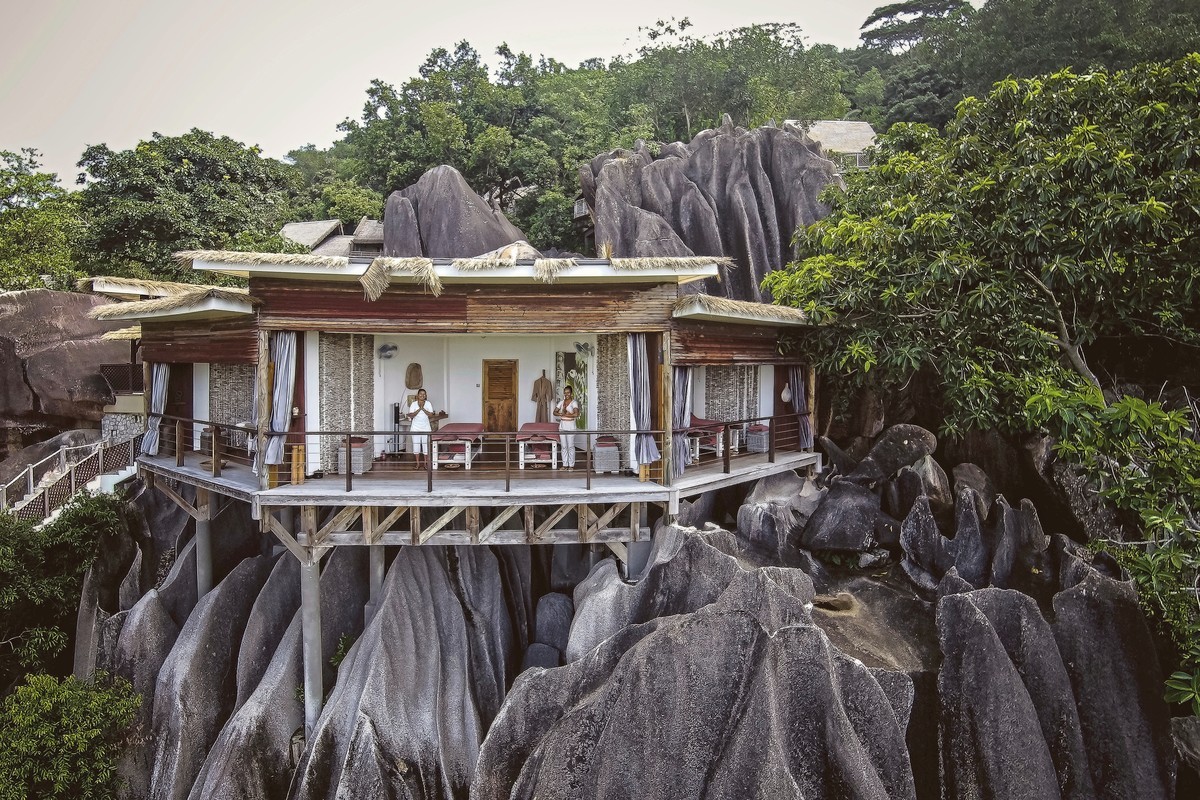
x=645, y=449
x=159, y=375
x=283, y=356
x=681, y=415
x=798, y=380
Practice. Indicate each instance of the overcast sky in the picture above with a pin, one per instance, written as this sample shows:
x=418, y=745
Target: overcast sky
x=282, y=73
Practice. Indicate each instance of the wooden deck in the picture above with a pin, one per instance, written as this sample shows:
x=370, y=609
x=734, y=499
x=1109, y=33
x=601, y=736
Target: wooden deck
x=395, y=507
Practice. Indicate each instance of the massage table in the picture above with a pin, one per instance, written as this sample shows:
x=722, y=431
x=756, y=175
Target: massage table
x=537, y=443
x=457, y=443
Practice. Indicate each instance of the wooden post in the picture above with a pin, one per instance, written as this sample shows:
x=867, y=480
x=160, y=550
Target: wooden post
x=263, y=412
x=414, y=523
x=349, y=461
x=530, y=529
x=178, y=443
x=771, y=440
x=725, y=447
x=507, y=467
x=216, y=451
x=810, y=378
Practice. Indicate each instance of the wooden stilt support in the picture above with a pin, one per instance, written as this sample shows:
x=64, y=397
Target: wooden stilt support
x=204, y=568
x=310, y=626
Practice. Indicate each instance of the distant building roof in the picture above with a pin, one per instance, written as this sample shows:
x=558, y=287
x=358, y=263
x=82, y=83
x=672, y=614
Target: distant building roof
x=369, y=230
x=842, y=135
x=334, y=246
x=311, y=234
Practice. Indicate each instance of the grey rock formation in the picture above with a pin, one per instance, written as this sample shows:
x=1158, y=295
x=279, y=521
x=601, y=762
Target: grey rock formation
x=686, y=571
x=49, y=356
x=197, y=685
x=927, y=554
x=970, y=476
x=1114, y=671
x=251, y=758
x=1010, y=728
x=554, y=612
x=728, y=192
x=775, y=512
x=541, y=655
x=846, y=520
x=899, y=446
x=442, y=632
x=1185, y=731
x=744, y=680
x=442, y=215
x=972, y=554
x=271, y=616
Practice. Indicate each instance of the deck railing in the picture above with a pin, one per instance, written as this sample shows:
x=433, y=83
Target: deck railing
x=493, y=455
x=49, y=483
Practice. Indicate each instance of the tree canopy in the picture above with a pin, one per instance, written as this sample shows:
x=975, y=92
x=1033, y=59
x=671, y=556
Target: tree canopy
x=171, y=193
x=39, y=222
x=1054, y=211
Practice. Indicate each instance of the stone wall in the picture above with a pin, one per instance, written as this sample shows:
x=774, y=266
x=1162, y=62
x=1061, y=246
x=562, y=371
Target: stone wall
x=121, y=427
x=231, y=396
x=347, y=374
x=612, y=385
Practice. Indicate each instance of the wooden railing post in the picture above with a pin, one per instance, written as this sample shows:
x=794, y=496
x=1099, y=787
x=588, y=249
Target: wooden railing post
x=28, y=481
x=587, y=465
x=771, y=440
x=725, y=446
x=429, y=461
x=178, y=443
x=349, y=463
x=507, y=468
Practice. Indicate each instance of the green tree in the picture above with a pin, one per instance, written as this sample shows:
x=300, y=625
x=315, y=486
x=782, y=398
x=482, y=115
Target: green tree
x=62, y=739
x=41, y=574
x=39, y=222
x=1030, y=37
x=169, y=193
x=1055, y=211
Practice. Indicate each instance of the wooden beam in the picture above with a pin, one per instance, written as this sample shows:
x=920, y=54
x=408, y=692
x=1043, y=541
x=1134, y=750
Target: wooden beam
x=553, y=520
x=472, y=521
x=414, y=525
x=441, y=522
x=604, y=519
x=495, y=524
x=621, y=550
x=635, y=521
x=341, y=521
x=527, y=515
x=370, y=521
x=166, y=489
x=390, y=520
x=285, y=536
x=582, y=515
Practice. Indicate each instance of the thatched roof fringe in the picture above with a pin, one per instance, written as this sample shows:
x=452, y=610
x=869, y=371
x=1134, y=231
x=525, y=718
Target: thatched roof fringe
x=721, y=305
x=234, y=257
x=136, y=285
x=671, y=262
x=420, y=268
x=123, y=334
x=173, y=302
x=375, y=280
x=547, y=269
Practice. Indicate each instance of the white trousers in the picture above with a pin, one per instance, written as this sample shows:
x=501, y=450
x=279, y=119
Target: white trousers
x=566, y=441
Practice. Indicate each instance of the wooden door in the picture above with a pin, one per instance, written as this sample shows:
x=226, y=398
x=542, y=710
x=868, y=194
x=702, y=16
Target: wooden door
x=179, y=403
x=500, y=394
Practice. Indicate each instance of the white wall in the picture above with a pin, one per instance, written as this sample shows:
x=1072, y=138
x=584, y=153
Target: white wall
x=766, y=389
x=452, y=372
x=312, y=399
x=200, y=406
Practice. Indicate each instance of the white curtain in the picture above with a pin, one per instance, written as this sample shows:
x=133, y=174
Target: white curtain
x=159, y=375
x=283, y=356
x=645, y=449
x=799, y=384
x=681, y=415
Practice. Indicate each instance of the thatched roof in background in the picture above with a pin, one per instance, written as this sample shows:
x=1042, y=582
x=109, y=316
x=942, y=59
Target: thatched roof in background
x=378, y=276
x=173, y=302
x=311, y=234
x=742, y=308
x=186, y=258
x=123, y=334
x=134, y=285
x=335, y=246
x=369, y=231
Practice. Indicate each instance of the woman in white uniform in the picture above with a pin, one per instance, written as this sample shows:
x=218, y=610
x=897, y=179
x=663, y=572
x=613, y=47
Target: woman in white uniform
x=567, y=411
x=420, y=411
